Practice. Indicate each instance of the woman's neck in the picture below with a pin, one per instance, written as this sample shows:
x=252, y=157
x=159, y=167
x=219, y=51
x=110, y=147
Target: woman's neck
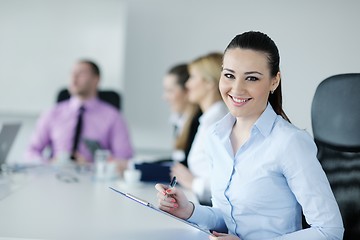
x=240, y=133
x=206, y=103
x=188, y=109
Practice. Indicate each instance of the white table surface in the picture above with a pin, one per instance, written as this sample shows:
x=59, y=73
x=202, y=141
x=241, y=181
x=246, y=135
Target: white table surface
x=40, y=206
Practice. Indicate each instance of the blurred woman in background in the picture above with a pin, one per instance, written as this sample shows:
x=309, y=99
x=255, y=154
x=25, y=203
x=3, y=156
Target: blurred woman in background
x=185, y=115
x=202, y=90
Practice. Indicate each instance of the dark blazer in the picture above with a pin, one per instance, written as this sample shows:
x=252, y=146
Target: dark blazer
x=193, y=129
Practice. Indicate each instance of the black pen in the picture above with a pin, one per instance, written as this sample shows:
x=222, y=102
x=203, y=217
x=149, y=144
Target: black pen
x=171, y=185
x=173, y=182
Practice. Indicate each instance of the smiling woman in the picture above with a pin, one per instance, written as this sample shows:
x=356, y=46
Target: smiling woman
x=264, y=169
x=246, y=92
x=251, y=52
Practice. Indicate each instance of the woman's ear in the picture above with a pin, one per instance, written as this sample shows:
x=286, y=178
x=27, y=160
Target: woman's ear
x=275, y=82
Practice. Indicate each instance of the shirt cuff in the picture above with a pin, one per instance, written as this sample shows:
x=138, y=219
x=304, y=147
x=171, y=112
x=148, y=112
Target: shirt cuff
x=208, y=218
x=198, y=214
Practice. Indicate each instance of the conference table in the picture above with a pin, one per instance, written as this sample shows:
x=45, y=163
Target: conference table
x=67, y=203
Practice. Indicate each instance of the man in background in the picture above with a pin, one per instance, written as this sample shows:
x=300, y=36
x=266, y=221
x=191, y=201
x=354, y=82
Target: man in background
x=84, y=116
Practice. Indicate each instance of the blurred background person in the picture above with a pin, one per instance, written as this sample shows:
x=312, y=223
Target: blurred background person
x=184, y=114
x=185, y=120
x=63, y=128
x=202, y=90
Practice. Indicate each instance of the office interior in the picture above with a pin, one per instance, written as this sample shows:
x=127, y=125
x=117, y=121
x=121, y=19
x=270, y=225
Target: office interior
x=136, y=41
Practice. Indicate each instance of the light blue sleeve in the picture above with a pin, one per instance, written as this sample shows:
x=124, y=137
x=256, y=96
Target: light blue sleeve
x=208, y=218
x=311, y=188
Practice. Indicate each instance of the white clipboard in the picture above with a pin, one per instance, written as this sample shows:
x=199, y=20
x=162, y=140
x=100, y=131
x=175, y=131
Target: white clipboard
x=149, y=205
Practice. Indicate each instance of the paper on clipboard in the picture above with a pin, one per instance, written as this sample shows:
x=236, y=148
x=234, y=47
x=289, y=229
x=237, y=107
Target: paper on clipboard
x=149, y=205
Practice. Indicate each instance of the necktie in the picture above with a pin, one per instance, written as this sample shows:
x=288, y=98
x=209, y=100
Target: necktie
x=78, y=129
x=176, y=130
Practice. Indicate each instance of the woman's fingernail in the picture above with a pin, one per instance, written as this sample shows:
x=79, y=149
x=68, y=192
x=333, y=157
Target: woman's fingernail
x=168, y=190
x=176, y=205
x=164, y=193
x=173, y=200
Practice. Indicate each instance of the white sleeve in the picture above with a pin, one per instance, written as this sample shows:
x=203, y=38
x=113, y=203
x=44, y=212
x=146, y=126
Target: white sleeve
x=199, y=165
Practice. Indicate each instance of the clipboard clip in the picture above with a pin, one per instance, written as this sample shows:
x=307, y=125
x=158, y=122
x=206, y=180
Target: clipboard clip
x=138, y=200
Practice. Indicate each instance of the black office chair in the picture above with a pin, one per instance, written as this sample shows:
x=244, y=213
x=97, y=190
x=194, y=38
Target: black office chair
x=335, y=116
x=108, y=96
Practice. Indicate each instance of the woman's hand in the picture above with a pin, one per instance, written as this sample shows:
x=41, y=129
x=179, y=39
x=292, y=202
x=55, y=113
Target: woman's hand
x=121, y=164
x=223, y=236
x=183, y=175
x=174, y=201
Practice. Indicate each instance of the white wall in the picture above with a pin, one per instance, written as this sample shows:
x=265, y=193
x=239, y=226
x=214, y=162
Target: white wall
x=316, y=39
x=40, y=39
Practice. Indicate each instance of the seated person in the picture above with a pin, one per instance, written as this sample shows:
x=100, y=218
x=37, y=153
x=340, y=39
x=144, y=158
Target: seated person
x=185, y=115
x=264, y=170
x=84, y=116
x=203, y=90
x=185, y=119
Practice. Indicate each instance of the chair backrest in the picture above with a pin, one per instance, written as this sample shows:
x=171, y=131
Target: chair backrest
x=108, y=96
x=335, y=112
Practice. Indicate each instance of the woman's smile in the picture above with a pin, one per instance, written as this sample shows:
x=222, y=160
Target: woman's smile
x=238, y=101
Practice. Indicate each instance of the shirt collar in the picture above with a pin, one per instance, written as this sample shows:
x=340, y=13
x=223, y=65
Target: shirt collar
x=224, y=126
x=264, y=123
x=76, y=103
x=212, y=112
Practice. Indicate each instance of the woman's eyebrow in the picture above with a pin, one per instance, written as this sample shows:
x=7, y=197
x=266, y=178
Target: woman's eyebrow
x=253, y=72
x=229, y=70
x=246, y=73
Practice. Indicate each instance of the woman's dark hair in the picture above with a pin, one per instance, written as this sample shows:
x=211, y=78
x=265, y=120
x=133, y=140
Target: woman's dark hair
x=182, y=74
x=259, y=41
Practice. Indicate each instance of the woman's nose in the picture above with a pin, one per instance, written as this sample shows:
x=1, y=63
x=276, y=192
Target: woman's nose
x=238, y=86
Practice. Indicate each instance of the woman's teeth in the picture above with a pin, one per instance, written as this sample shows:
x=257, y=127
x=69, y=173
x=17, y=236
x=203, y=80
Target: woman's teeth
x=238, y=100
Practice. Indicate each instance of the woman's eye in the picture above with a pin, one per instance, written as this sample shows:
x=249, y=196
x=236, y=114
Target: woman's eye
x=228, y=75
x=250, y=78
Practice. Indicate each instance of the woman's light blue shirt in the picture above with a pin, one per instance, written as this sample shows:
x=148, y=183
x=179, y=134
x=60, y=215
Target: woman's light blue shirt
x=259, y=193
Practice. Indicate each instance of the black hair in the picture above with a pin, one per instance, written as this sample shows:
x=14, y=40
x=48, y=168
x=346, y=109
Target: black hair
x=182, y=74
